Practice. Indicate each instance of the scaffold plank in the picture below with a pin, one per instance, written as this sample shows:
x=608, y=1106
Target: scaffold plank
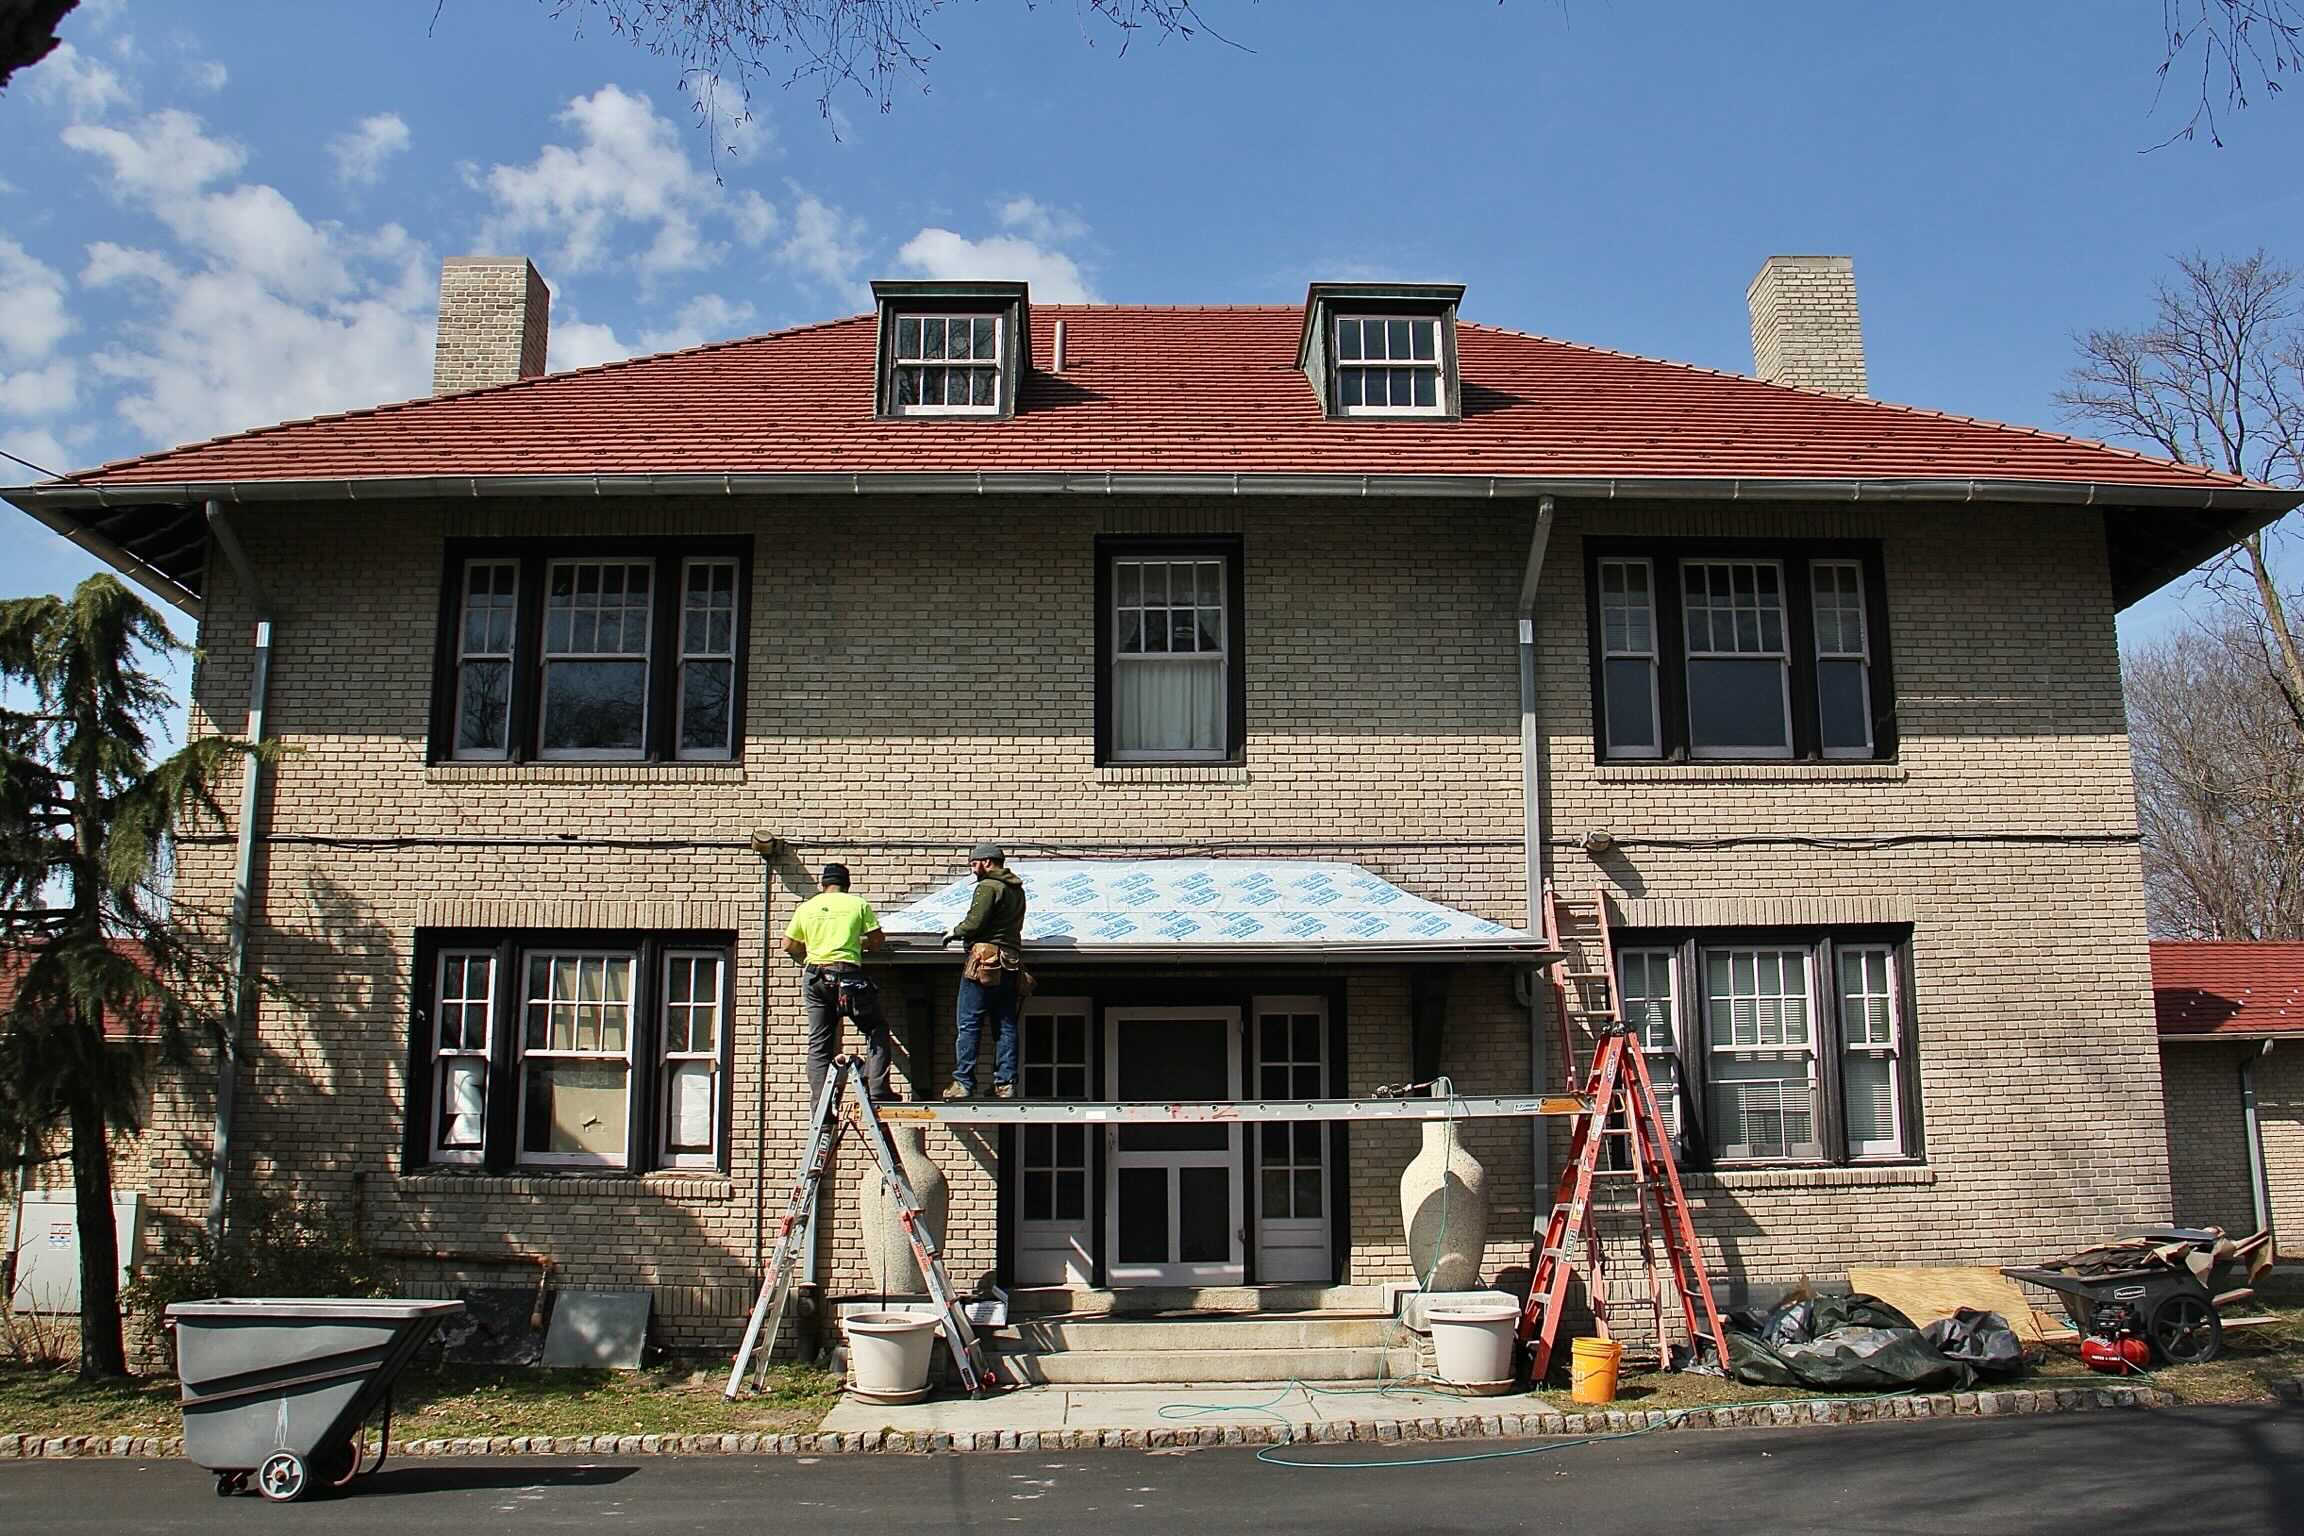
x=1243, y=1111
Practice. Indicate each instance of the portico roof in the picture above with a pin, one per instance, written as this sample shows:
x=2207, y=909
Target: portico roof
x=1267, y=910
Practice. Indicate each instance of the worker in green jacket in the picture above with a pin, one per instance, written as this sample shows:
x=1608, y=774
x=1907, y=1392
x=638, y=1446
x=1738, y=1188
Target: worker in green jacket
x=992, y=980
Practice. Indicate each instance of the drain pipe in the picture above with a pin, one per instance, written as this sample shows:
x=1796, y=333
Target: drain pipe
x=2259, y=1189
x=1525, y=987
x=243, y=867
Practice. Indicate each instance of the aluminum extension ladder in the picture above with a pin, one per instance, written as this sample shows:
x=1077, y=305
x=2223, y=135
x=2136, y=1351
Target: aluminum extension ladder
x=798, y=1227
x=1621, y=1103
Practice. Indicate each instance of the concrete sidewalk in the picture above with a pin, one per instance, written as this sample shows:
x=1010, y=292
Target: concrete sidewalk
x=1097, y=1409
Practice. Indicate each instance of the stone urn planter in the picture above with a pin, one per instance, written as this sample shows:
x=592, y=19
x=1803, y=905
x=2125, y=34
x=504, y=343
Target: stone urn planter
x=886, y=1251
x=1444, y=1207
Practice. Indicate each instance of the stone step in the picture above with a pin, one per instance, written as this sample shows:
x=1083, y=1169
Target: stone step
x=1079, y=1333
x=1185, y=1367
x=1044, y=1300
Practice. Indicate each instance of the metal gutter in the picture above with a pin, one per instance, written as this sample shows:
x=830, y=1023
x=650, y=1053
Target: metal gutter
x=243, y=870
x=1532, y=831
x=923, y=950
x=64, y=495
x=104, y=549
x=2259, y=1188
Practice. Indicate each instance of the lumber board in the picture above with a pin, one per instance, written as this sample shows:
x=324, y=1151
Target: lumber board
x=1924, y=1293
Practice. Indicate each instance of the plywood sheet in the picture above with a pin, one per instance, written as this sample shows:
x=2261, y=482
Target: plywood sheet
x=1925, y=1293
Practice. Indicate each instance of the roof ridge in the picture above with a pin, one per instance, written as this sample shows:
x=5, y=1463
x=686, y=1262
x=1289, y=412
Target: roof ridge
x=388, y=407
x=2203, y=471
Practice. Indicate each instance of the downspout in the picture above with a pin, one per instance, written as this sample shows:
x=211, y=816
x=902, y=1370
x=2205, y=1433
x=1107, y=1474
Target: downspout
x=2259, y=1190
x=1525, y=986
x=243, y=868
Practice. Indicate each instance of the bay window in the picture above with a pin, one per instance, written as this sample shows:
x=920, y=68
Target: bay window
x=570, y=1051
x=1775, y=1047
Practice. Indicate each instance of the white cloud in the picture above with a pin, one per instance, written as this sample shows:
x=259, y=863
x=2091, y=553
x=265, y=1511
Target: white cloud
x=706, y=317
x=362, y=154
x=628, y=173
x=208, y=75
x=1038, y=221
x=586, y=344
x=826, y=244
x=70, y=79
x=166, y=156
x=36, y=445
x=33, y=317
x=1054, y=276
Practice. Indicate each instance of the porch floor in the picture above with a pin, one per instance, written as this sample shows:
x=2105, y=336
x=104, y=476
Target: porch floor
x=1101, y=1408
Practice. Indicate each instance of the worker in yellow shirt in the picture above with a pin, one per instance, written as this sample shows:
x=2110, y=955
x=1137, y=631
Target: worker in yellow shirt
x=830, y=934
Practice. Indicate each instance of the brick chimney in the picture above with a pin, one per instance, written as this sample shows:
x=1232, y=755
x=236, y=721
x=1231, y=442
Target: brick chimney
x=1805, y=328
x=494, y=312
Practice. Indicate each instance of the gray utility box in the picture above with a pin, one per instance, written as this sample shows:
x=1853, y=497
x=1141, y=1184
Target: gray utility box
x=283, y=1387
x=47, y=1232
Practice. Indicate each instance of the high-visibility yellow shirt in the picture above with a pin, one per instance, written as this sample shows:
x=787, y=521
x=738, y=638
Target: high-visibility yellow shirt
x=833, y=924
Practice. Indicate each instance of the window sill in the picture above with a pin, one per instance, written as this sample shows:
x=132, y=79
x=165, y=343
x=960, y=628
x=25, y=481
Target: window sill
x=674, y=1186
x=1740, y=1180
x=1751, y=773
x=584, y=773
x=1172, y=773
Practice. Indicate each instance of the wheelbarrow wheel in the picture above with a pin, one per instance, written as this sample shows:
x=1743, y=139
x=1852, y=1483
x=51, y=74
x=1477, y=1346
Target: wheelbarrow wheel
x=230, y=1483
x=283, y=1478
x=2185, y=1330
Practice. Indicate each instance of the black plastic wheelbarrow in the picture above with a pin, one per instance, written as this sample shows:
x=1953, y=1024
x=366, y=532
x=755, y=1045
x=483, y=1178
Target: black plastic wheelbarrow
x=283, y=1390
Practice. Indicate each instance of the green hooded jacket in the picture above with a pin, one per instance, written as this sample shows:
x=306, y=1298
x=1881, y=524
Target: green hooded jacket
x=996, y=912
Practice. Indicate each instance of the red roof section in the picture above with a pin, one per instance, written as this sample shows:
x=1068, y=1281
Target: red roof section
x=2228, y=989
x=1150, y=389
x=14, y=961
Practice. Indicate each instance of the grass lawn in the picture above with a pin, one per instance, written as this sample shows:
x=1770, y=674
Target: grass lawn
x=442, y=1402
x=2252, y=1361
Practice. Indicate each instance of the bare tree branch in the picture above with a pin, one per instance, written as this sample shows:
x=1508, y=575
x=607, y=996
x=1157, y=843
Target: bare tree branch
x=2243, y=46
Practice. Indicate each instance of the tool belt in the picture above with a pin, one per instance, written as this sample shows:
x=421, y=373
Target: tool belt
x=990, y=965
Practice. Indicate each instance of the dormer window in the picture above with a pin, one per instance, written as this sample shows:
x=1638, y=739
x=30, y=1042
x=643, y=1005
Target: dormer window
x=947, y=363
x=951, y=349
x=1387, y=363
x=1382, y=349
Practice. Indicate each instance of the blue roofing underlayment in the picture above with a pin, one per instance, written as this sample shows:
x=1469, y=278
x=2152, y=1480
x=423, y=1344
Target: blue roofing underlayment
x=1215, y=904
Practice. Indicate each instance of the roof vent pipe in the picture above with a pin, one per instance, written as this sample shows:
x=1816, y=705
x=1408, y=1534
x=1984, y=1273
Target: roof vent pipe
x=1057, y=363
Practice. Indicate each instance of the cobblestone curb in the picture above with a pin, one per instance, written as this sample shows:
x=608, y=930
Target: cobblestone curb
x=1944, y=1405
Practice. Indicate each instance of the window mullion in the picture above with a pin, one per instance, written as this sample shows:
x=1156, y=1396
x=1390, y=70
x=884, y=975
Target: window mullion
x=1831, y=1040
x=499, y=1143
x=659, y=742
x=645, y=1037
x=1799, y=588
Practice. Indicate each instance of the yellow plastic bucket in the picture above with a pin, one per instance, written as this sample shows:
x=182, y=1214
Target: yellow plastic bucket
x=1592, y=1367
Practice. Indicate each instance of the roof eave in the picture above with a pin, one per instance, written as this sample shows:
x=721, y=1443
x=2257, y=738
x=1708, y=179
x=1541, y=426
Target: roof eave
x=924, y=950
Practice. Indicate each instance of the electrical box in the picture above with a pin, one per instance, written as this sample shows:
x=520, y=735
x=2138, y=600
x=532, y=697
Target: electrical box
x=47, y=1232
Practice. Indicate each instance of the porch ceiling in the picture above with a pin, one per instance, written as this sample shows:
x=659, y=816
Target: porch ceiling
x=1269, y=911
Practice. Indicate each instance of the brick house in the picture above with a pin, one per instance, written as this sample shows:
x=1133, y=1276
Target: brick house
x=2231, y=1021
x=585, y=673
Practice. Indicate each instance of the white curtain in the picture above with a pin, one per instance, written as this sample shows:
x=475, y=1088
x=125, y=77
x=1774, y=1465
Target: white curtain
x=1169, y=705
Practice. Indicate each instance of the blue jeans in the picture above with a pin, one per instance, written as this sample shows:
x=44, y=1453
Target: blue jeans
x=976, y=1000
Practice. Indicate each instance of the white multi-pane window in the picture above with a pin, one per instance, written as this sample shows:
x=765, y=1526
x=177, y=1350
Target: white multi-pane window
x=1871, y=1086
x=597, y=620
x=1628, y=657
x=1292, y=1063
x=576, y=1059
x=1760, y=1025
x=1649, y=990
x=707, y=657
x=1387, y=364
x=946, y=364
x=1053, y=1064
x=1739, y=677
x=1169, y=655
x=689, y=1042
x=483, y=727
x=463, y=1035
x=1843, y=660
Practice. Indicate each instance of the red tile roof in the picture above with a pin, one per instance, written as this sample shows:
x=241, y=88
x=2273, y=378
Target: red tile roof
x=2228, y=989
x=12, y=966
x=1150, y=389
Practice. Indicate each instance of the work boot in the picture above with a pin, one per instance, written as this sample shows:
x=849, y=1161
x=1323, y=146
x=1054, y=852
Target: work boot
x=959, y=1090
x=1003, y=1090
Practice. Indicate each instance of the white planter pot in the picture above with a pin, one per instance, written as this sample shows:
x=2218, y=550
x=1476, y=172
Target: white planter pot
x=1444, y=1210
x=1472, y=1341
x=886, y=1251
x=888, y=1353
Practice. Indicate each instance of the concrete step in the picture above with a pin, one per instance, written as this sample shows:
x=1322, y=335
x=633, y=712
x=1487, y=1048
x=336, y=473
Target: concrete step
x=1080, y=1333
x=1185, y=1367
x=1044, y=1300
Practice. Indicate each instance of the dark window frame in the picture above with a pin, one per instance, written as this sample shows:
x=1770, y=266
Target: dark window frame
x=1225, y=547
x=500, y=1139
x=531, y=557
x=1687, y=945
x=1797, y=558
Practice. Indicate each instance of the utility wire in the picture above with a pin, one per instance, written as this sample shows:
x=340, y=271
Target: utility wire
x=28, y=464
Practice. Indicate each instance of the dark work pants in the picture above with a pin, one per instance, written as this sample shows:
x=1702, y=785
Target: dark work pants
x=828, y=999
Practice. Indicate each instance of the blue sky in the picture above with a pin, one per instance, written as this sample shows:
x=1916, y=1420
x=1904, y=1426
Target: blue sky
x=216, y=216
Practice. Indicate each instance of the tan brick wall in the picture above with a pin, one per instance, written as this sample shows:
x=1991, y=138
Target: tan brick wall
x=495, y=317
x=2207, y=1138
x=1806, y=329
x=902, y=705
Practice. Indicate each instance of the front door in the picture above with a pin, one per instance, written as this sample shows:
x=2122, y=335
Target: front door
x=1173, y=1195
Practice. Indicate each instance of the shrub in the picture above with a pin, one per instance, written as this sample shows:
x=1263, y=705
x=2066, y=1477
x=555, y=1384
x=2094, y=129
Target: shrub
x=277, y=1247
